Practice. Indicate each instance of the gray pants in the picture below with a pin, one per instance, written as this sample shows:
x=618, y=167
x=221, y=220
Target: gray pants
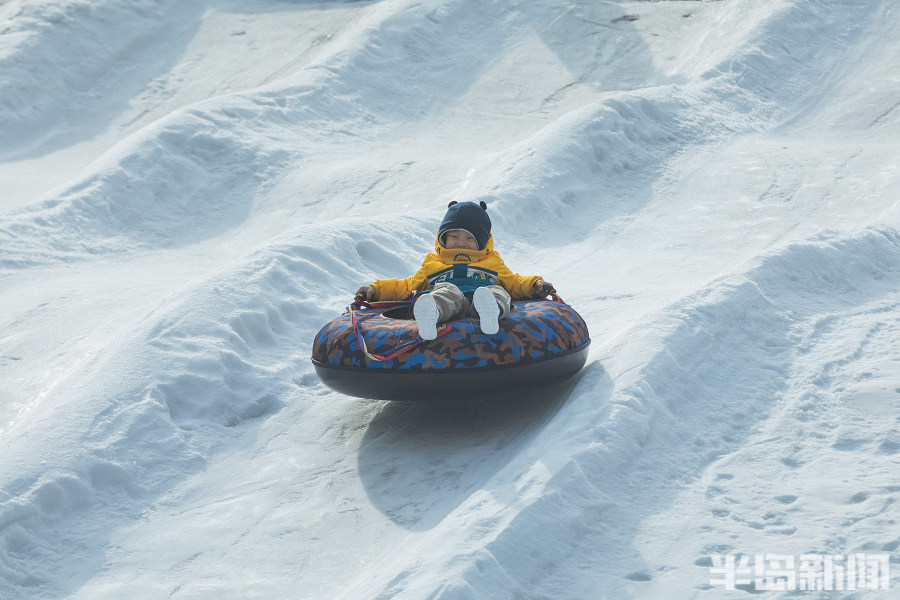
x=452, y=303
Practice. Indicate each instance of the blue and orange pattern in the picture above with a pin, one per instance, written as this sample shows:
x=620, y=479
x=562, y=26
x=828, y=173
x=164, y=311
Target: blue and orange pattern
x=534, y=330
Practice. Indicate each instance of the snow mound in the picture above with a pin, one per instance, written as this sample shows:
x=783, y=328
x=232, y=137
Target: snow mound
x=200, y=186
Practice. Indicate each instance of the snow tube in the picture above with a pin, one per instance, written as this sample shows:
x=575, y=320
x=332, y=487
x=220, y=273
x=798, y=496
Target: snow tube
x=541, y=343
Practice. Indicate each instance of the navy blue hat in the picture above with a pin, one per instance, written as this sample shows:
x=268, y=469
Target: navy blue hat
x=470, y=217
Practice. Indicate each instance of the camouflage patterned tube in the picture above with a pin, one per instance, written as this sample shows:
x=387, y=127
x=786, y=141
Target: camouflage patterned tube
x=541, y=343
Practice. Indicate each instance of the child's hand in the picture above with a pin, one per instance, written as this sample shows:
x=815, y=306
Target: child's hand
x=542, y=288
x=367, y=292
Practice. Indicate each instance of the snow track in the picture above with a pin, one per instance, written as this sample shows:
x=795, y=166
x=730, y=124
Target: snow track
x=724, y=373
x=43, y=89
x=713, y=186
x=197, y=172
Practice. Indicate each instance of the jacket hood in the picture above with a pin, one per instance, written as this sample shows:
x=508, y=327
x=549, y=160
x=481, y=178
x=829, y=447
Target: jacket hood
x=462, y=255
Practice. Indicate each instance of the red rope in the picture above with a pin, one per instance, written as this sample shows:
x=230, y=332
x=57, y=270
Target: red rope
x=361, y=341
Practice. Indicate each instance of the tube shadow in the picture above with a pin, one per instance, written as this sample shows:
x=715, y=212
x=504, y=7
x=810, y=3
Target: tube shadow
x=418, y=461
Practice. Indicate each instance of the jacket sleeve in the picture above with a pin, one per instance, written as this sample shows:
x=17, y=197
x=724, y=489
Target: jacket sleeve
x=397, y=289
x=518, y=286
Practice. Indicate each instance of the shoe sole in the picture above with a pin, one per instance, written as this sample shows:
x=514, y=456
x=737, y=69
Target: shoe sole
x=426, y=313
x=488, y=310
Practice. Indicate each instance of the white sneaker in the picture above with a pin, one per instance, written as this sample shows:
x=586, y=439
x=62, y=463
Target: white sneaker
x=488, y=310
x=427, y=314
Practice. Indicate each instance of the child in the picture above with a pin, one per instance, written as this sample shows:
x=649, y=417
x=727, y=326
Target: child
x=464, y=276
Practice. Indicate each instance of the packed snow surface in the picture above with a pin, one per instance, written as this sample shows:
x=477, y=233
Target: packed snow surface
x=190, y=190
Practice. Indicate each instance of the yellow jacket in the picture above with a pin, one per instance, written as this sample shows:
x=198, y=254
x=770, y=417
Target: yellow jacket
x=479, y=266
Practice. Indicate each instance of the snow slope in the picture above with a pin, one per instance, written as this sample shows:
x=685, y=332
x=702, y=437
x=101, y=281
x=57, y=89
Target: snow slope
x=188, y=191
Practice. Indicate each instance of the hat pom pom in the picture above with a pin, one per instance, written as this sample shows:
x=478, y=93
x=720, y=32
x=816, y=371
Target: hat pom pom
x=483, y=205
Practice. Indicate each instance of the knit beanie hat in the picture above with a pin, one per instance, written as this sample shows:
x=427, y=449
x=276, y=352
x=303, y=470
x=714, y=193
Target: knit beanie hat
x=469, y=217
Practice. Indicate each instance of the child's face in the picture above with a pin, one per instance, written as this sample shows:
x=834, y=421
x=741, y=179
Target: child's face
x=459, y=240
